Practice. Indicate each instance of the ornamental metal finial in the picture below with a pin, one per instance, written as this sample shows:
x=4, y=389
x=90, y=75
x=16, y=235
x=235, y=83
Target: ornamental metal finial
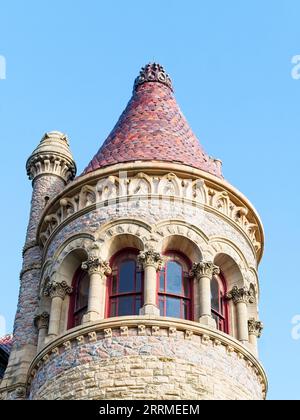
x=153, y=72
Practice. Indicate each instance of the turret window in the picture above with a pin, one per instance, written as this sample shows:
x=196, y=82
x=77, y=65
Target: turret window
x=126, y=285
x=218, y=303
x=174, y=296
x=79, y=299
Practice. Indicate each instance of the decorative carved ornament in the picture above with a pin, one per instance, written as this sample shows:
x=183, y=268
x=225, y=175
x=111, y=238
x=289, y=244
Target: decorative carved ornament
x=255, y=327
x=243, y=294
x=151, y=258
x=153, y=72
x=199, y=194
x=57, y=289
x=94, y=265
x=41, y=321
x=204, y=269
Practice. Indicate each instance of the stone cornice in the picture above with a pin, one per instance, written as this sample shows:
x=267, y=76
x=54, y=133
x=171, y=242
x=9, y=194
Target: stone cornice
x=219, y=197
x=107, y=328
x=51, y=163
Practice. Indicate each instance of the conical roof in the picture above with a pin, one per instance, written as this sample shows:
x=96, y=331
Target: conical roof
x=152, y=127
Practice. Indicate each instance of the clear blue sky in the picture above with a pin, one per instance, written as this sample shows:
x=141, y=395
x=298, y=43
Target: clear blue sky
x=71, y=66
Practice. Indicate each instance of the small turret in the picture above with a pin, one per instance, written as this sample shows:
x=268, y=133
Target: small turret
x=50, y=167
x=52, y=157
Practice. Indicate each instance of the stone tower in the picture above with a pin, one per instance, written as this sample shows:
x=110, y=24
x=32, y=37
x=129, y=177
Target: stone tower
x=140, y=276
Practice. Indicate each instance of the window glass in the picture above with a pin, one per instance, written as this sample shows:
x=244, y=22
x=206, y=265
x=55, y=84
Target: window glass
x=126, y=276
x=113, y=308
x=138, y=305
x=218, y=304
x=126, y=285
x=215, y=295
x=174, y=278
x=125, y=305
x=162, y=307
x=139, y=276
x=174, y=295
x=114, y=284
x=186, y=314
x=162, y=281
x=173, y=307
x=186, y=285
x=82, y=292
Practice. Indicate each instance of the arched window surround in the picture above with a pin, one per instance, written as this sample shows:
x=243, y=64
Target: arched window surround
x=186, y=265
x=137, y=293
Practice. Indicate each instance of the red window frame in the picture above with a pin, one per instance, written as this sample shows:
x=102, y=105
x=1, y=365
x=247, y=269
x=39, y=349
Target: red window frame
x=73, y=311
x=221, y=318
x=128, y=254
x=182, y=260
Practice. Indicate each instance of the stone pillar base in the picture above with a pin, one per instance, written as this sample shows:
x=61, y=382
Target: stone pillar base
x=208, y=321
x=90, y=317
x=149, y=310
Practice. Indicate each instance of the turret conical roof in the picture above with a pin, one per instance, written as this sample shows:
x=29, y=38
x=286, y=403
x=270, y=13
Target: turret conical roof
x=152, y=128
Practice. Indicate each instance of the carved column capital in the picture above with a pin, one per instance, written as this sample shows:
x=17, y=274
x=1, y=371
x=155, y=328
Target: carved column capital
x=94, y=265
x=41, y=321
x=57, y=289
x=151, y=258
x=204, y=269
x=242, y=294
x=255, y=327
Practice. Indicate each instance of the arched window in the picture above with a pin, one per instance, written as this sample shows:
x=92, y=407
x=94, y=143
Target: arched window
x=175, y=291
x=218, y=303
x=126, y=285
x=79, y=298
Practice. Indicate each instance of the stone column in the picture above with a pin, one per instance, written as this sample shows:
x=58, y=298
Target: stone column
x=204, y=272
x=255, y=330
x=41, y=321
x=241, y=297
x=98, y=271
x=152, y=262
x=57, y=291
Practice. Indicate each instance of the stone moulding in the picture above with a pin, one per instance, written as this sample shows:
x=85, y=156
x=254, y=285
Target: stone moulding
x=147, y=325
x=196, y=188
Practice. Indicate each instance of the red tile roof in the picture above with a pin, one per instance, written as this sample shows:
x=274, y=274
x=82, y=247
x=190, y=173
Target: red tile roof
x=6, y=343
x=152, y=127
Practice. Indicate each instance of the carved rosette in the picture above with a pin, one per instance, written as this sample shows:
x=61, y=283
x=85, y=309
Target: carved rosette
x=151, y=258
x=153, y=72
x=94, y=265
x=41, y=321
x=255, y=327
x=241, y=295
x=57, y=289
x=204, y=269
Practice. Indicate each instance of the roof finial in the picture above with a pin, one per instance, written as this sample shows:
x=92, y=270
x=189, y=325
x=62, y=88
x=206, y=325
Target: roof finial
x=153, y=72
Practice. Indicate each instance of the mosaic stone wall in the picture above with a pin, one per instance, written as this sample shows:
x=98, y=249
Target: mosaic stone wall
x=210, y=224
x=146, y=367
